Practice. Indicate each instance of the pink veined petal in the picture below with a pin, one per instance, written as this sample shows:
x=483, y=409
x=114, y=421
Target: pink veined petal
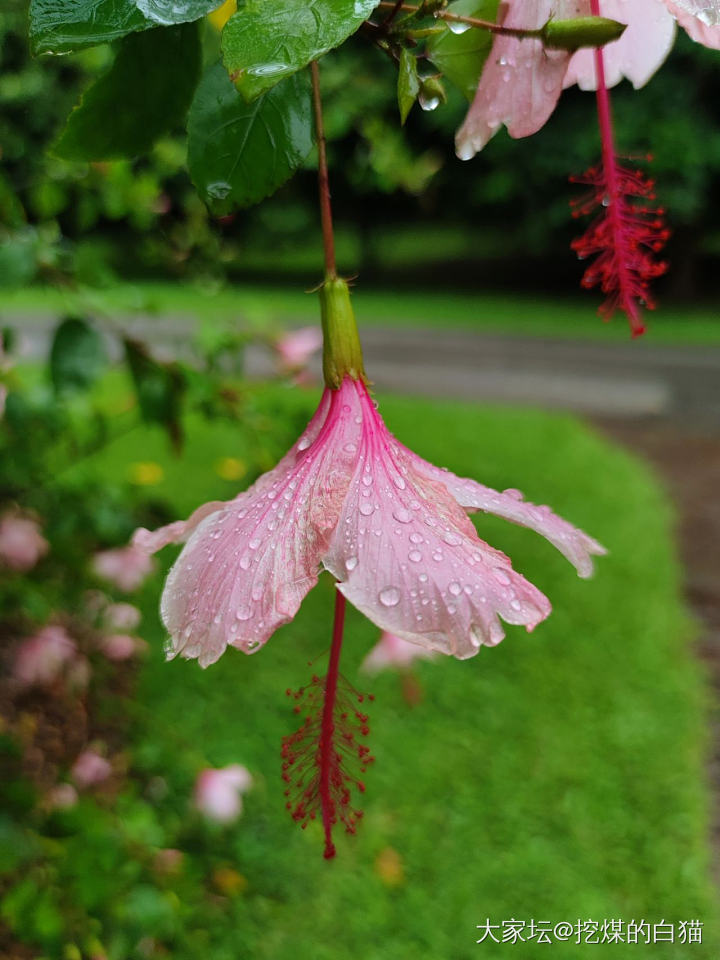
x=246, y=568
x=573, y=543
x=521, y=82
x=700, y=19
x=410, y=559
x=638, y=53
x=178, y=532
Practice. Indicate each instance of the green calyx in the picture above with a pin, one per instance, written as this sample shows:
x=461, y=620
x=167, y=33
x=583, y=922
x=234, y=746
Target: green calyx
x=580, y=32
x=342, y=354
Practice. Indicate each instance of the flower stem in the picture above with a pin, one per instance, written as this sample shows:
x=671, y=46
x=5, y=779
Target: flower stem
x=470, y=21
x=327, y=744
x=323, y=179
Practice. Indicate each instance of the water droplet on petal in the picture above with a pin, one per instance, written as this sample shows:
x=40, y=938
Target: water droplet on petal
x=244, y=561
x=304, y=443
x=244, y=613
x=502, y=577
x=416, y=538
x=350, y=448
x=415, y=556
x=399, y=483
x=366, y=508
x=389, y=597
x=455, y=588
x=351, y=563
x=451, y=539
x=402, y=515
x=367, y=479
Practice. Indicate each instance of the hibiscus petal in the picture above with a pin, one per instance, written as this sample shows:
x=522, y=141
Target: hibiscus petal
x=572, y=542
x=410, y=559
x=700, y=19
x=247, y=567
x=638, y=53
x=178, y=532
x=521, y=82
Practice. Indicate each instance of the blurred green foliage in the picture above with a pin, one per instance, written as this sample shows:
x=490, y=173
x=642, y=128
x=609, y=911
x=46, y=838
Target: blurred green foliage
x=143, y=217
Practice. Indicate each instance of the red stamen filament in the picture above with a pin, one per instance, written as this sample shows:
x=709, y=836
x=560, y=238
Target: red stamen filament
x=626, y=234
x=323, y=759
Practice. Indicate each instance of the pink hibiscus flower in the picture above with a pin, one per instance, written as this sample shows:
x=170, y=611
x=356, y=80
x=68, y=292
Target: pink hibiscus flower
x=218, y=792
x=90, y=769
x=522, y=81
x=390, y=527
x=392, y=651
x=21, y=543
x=41, y=659
x=124, y=567
x=295, y=348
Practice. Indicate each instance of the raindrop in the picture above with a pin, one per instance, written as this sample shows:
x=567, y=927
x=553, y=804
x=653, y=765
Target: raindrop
x=399, y=483
x=367, y=479
x=516, y=605
x=254, y=543
x=304, y=443
x=455, y=588
x=218, y=190
x=416, y=538
x=244, y=562
x=351, y=563
x=244, y=613
x=502, y=577
x=428, y=103
x=456, y=27
x=452, y=539
x=437, y=555
x=349, y=448
x=402, y=515
x=389, y=597
x=366, y=508
x=415, y=556
x=423, y=578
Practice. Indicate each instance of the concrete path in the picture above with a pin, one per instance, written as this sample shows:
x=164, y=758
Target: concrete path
x=630, y=379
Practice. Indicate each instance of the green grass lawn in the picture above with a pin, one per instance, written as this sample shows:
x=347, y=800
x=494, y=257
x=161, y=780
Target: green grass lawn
x=490, y=313
x=558, y=776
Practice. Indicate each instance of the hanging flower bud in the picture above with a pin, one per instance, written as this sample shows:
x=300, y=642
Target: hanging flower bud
x=581, y=32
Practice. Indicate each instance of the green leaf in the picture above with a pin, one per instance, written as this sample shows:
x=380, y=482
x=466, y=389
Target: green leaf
x=461, y=56
x=145, y=93
x=267, y=40
x=159, y=388
x=408, y=83
x=77, y=355
x=239, y=153
x=60, y=26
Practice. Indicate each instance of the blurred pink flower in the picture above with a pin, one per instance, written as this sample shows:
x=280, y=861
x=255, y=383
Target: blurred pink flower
x=522, y=81
x=296, y=347
x=90, y=768
x=124, y=567
x=218, y=792
x=169, y=860
x=122, y=616
x=391, y=528
x=42, y=658
x=121, y=646
x=62, y=797
x=392, y=651
x=21, y=543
